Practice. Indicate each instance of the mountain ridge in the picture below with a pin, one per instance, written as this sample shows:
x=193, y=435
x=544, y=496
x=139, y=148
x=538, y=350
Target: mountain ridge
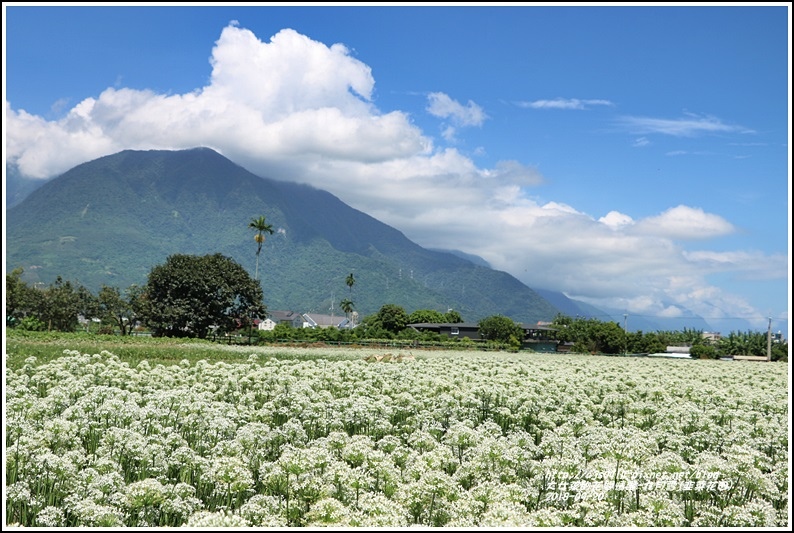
x=110, y=220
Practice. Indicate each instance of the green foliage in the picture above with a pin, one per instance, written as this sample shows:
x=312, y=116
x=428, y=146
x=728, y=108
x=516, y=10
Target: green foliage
x=190, y=295
x=120, y=310
x=426, y=316
x=703, y=351
x=501, y=329
x=590, y=335
x=391, y=318
x=743, y=343
x=61, y=305
x=453, y=317
x=644, y=343
x=780, y=351
x=31, y=323
x=261, y=227
x=21, y=299
x=347, y=306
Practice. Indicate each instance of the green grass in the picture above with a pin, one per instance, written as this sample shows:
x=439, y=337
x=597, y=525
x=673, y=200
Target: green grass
x=48, y=346
x=45, y=347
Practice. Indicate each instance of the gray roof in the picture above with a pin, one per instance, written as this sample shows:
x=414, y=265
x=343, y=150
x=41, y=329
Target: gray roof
x=316, y=319
x=281, y=316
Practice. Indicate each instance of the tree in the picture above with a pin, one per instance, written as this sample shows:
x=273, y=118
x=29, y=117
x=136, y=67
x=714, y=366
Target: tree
x=426, y=316
x=21, y=299
x=118, y=309
x=702, y=351
x=61, y=305
x=350, y=281
x=390, y=317
x=500, y=328
x=347, y=307
x=261, y=227
x=190, y=295
x=453, y=317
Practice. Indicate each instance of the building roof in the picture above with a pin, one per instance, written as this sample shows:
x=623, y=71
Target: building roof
x=474, y=325
x=282, y=316
x=322, y=321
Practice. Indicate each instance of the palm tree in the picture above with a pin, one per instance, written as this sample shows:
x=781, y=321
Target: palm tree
x=350, y=281
x=347, y=307
x=261, y=227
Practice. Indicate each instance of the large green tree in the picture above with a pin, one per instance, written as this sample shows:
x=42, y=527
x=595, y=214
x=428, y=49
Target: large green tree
x=21, y=299
x=501, y=329
x=426, y=316
x=261, y=227
x=121, y=310
x=453, y=317
x=62, y=303
x=391, y=317
x=190, y=295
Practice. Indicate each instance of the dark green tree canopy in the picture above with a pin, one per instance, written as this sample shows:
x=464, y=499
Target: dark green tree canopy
x=501, y=329
x=426, y=316
x=390, y=317
x=453, y=317
x=189, y=295
x=118, y=309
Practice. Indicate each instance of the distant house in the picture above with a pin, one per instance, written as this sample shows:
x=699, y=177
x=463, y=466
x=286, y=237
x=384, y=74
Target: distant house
x=451, y=330
x=314, y=320
x=279, y=317
x=540, y=338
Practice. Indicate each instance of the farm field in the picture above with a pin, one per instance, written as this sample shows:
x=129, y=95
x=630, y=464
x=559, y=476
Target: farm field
x=133, y=433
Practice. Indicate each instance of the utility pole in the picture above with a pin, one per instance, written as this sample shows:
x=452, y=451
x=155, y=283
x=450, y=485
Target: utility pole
x=625, y=333
x=769, y=341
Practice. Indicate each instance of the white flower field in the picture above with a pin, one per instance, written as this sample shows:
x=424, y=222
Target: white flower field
x=339, y=437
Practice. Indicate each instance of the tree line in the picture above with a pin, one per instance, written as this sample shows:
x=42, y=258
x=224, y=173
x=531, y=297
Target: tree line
x=212, y=296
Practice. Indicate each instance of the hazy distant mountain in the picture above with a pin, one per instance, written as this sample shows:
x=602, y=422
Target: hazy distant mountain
x=17, y=186
x=109, y=221
x=632, y=322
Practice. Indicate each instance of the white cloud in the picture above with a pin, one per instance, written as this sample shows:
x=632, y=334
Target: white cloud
x=685, y=223
x=442, y=106
x=294, y=108
x=747, y=264
x=564, y=103
x=616, y=220
x=689, y=126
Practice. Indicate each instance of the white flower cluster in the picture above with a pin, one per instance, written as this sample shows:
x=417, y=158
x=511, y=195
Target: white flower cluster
x=296, y=437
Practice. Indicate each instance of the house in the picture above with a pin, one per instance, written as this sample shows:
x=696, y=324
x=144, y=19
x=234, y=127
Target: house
x=451, y=330
x=540, y=338
x=278, y=317
x=315, y=320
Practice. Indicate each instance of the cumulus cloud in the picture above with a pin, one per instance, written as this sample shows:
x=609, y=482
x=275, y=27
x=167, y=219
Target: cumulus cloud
x=294, y=108
x=616, y=220
x=564, y=103
x=685, y=223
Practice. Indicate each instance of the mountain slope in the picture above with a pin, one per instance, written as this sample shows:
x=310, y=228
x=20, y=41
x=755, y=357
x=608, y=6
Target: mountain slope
x=109, y=221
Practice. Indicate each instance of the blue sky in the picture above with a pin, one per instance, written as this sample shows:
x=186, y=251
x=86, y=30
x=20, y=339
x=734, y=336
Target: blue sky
x=633, y=157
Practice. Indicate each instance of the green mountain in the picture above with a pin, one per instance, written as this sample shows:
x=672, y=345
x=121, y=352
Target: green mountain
x=109, y=221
